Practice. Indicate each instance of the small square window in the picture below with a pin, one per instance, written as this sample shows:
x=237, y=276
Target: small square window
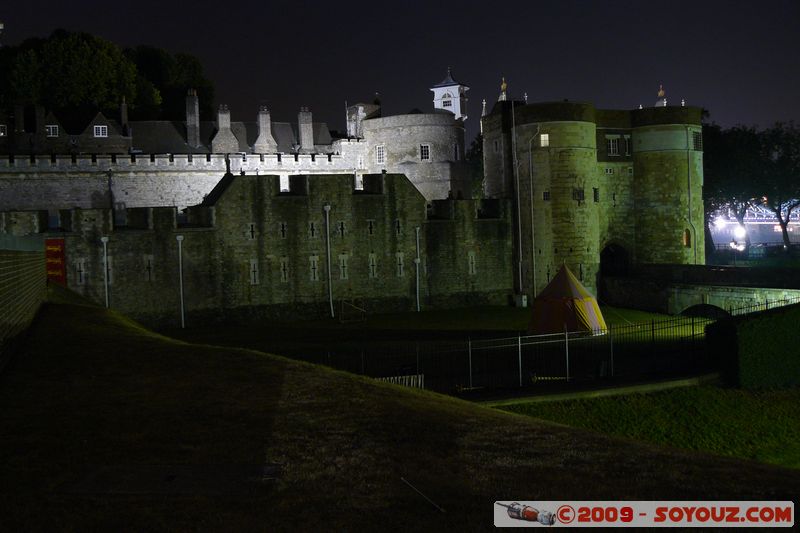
x=596, y=194
x=630, y=171
x=380, y=155
x=609, y=171
x=544, y=139
x=101, y=131
x=546, y=196
x=51, y=130
x=3, y=130
x=447, y=103
x=425, y=152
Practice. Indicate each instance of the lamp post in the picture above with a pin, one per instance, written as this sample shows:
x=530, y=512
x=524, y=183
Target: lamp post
x=179, y=238
x=104, y=240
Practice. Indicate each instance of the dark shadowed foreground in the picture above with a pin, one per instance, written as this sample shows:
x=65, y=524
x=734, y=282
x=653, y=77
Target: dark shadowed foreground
x=105, y=425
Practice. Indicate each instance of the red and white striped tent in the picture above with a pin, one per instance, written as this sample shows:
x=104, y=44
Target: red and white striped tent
x=566, y=305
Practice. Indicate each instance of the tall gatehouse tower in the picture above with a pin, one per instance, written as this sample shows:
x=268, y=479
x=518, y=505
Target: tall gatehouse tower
x=451, y=95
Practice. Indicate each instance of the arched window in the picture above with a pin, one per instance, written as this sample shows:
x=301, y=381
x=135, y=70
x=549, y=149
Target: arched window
x=687, y=238
x=447, y=100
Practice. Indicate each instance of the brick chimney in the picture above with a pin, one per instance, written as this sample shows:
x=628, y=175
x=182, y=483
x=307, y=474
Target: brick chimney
x=192, y=119
x=265, y=142
x=224, y=141
x=306, y=130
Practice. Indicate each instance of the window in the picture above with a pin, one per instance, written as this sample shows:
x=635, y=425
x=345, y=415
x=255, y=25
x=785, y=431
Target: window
x=148, y=268
x=630, y=171
x=398, y=259
x=254, y=272
x=397, y=226
x=3, y=130
x=80, y=271
x=282, y=229
x=577, y=194
x=687, y=238
x=609, y=171
x=425, y=152
x=546, y=196
x=380, y=155
x=544, y=139
x=101, y=131
x=51, y=130
x=342, y=266
x=596, y=194
x=471, y=263
x=627, y=145
x=612, y=145
x=447, y=103
x=312, y=230
x=251, y=231
x=496, y=146
x=697, y=140
x=342, y=230
x=373, y=266
x=284, y=270
x=370, y=227
x=313, y=268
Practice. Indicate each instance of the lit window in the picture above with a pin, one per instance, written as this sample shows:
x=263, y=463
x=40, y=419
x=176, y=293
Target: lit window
x=612, y=146
x=51, y=130
x=425, y=152
x=546, y=196
x=544, y=139
x=697, y=140
x=101, y=131
x=380, y=155
x=627, y=145
x=687, y=238
x=3, y=130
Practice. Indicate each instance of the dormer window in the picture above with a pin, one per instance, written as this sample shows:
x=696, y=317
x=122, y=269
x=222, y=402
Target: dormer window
x=101, y=131
x=3, y=130
x=51, y=130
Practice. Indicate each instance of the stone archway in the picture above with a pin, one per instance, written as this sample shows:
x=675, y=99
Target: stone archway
x=614, y=261
x=705, y=311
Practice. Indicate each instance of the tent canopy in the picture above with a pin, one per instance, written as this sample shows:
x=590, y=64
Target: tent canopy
x=566, y=305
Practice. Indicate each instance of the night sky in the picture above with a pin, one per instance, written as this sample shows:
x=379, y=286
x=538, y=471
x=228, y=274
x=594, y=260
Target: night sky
x=738, y=59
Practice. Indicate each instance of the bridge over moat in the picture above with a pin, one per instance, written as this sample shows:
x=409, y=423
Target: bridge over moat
x=677, y=289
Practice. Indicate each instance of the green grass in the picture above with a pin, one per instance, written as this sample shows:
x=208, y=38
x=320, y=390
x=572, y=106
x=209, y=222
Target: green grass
x=93, y=392
x=763, y=426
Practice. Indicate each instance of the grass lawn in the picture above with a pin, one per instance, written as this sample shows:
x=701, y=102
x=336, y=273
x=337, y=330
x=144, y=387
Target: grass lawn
x=107, y=426
x=764, y=426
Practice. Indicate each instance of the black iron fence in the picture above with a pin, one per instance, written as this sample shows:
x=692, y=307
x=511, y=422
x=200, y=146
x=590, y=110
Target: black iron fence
x=658, y=348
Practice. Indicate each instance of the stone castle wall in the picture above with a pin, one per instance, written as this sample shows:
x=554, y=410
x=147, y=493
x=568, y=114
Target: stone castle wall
x=254, y=250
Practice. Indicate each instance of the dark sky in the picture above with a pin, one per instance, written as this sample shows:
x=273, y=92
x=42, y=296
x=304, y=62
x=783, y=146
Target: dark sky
x=739, y=59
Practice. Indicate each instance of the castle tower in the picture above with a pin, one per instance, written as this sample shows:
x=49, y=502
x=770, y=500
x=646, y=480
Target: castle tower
x=305, y=130
x=668, y=185
x=451, y=95
x=192, y=119
x=265, y=142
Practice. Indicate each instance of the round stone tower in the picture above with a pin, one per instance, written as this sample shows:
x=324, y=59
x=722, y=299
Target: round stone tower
x=668, y=185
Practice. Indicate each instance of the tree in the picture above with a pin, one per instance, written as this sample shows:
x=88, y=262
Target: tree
x=732, y=165
x=779, y=180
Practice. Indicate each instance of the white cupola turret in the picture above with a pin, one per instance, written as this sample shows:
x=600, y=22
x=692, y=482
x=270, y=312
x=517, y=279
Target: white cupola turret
x=451, y=95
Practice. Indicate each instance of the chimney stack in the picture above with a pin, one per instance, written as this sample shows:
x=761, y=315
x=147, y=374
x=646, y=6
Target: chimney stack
x=306, y=130
x=224, y=141
x=265, y=142
x=123, y=117
x=192, y=119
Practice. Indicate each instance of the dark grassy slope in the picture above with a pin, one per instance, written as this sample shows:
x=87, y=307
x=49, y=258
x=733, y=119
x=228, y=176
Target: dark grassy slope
x=104, y=425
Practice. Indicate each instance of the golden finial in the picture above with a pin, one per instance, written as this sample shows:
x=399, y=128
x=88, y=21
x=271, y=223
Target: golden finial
x=661, y=92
